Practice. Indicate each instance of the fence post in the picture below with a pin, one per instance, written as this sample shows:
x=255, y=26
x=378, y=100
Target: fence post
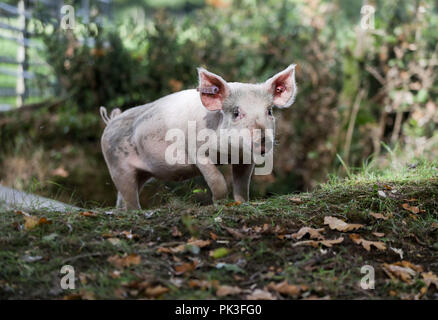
x=21, y=90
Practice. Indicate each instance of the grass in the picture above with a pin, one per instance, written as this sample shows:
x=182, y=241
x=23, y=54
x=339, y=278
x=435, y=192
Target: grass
x=257, y=251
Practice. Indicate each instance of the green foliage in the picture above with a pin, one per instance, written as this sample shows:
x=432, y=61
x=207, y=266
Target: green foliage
x=390, y=70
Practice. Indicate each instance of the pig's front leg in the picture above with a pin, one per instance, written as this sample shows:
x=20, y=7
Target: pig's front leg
x=241, y=179
x=214, y=178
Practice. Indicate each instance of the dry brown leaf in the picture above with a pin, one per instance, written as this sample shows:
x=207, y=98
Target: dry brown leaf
x=31, y=222
x=223, y=291
x=378, y=234
x=287, y=289
x=338, y=224
x=203, y=284
x=125, y=261
x=180, y=248
x=164, y=250
x=236, y=234
x=213, y=236
x=367, y=244
x=88, y=214
x=313, y=233
x=233, y=204
x=153, y=292
x=430, y=278
x=129, y=235
x=379, y=216
x=199, y=243
x=314, y=243
x=175, y=232
x=259, y=294
x=185, y=267
x=408, y=264
x=403, y=270
x=412, y=209
x=296, y=200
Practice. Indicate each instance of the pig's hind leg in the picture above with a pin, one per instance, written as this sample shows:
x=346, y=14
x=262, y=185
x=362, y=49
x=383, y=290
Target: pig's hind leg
x=128, y=182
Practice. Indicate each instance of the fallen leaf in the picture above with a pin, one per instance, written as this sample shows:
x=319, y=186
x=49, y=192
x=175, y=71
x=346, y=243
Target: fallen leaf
x=338, y=224
x=219, y=253
x=153, y=292
x=129, y=235
x=203, y=284
x=223, y=291
x=430, y=278
x=88, y=214
x=378, y=216
x=260, y=294
x=398, y=251
x=213, y=236
x=412, y=209
x=125, y=261
x=378, y=234
x=403, y=270
x=199, y=243
x=421, y=293
x=182, y=247
x=296, y=200
x=236, y=234
x=287, y=289
x=313, y=233
x=233, y=204
x=175, y=232
x=185, y=267
x=31, y=222
x=367, y=244
x=381, y=194
x=314, y=243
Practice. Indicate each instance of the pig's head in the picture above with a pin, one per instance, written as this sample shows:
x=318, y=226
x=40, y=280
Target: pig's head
x=248, y=106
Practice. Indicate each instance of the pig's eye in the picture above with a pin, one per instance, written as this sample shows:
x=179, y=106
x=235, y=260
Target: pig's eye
x=236, y=112
x=269, y=111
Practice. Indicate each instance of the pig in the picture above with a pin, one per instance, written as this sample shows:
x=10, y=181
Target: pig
x=134, y=142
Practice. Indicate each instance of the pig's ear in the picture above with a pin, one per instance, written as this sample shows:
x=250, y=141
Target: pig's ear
x=212, y=89
x=283, y=87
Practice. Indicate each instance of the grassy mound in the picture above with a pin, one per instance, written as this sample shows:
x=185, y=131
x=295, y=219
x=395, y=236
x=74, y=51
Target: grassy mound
x=250, y=250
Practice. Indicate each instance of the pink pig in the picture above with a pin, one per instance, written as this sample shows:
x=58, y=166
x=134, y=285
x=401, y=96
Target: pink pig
x=134, y=142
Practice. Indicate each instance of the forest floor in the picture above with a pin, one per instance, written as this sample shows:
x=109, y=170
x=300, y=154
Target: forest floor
x=317, y=245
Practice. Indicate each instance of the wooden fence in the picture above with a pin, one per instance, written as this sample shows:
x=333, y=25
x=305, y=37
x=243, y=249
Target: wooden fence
x=21, y=65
